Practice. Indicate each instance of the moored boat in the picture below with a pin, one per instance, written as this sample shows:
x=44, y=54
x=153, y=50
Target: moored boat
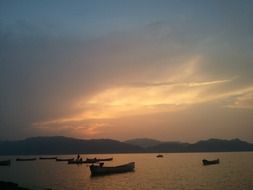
x=77, y=161
x=5, y=162
x=97, y=170
x=210, y=162
x=104, y=159
x=89, y=160
x=64, y=159
x=26, y=159
x=48, y=158
x=95, y=160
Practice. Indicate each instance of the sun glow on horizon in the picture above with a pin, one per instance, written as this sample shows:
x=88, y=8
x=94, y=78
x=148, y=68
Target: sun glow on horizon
x=151, y=97
x=175, y=90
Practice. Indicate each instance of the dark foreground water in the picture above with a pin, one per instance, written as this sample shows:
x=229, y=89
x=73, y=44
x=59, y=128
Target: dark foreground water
x=182, y=171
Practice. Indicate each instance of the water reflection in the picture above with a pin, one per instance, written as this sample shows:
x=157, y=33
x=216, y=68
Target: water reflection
x=173, y=171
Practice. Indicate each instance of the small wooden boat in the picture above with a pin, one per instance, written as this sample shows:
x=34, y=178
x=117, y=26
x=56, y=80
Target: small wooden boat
x=64, y=159
x=104, y=159
x=48, y=158
x=89, y=160
x=5, y=162
x=210, y=162
x=104, y=170
x=95, y=160
x=159, y=156
x=80, y=161
x=26, y=159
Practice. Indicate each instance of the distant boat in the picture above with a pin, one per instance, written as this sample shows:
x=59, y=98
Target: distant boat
x=94, y=160
x=105, y=159
x=210, y=162
x=5, y=162
x=48, y=158
x=80, y=161
x=64, y=159
x=89, y=160
x=104, y=170
x=26, y=159
x=159, y=156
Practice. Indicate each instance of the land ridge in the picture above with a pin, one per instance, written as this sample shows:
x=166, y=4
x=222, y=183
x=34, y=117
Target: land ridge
x=54, y=145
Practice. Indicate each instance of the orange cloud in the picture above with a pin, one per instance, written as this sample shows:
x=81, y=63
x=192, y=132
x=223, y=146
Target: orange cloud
x=162, y=94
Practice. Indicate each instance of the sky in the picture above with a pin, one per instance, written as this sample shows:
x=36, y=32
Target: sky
x=178, y=70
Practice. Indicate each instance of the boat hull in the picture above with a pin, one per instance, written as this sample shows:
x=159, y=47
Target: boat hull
x=104, y=159
x=89, y=161
x=97, y=170
x=26, y=159
x=95, y=160
x=64, y=159
x=76, y=162
x=48, y=158
x=210, y=162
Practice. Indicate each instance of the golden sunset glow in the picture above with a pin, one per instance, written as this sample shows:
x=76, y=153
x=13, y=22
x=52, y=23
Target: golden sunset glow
x=149, y=98
x=133, y=69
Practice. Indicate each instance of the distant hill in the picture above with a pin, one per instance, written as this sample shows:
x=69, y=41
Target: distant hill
x=143, y=142
x=169, y=147
x=65, y=145
x=218, y=145
x=211, y=145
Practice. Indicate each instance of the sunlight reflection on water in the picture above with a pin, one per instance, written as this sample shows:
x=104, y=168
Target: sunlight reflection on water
x=174, y=171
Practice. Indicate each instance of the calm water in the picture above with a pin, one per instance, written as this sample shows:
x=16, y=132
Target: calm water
x=183, y=171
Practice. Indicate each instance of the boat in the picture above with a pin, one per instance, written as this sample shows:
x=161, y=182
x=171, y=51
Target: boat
x=48, y=158
x=159, y=156
x=89, y=160
x=5, y=162
x=104, y=159
x=64, y=159
x=95, y=160
x=97, y=170
x=210, y=162
x=26, y=159
x=80, y=161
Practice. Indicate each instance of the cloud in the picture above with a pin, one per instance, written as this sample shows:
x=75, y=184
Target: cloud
x=144, y=98
x=178, y=93
x=242, y=100
x=55, y=76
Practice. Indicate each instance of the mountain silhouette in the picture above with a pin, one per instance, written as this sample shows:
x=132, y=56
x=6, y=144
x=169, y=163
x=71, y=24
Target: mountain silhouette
x=143, y=142
x=65, y=145
x=211, y=145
